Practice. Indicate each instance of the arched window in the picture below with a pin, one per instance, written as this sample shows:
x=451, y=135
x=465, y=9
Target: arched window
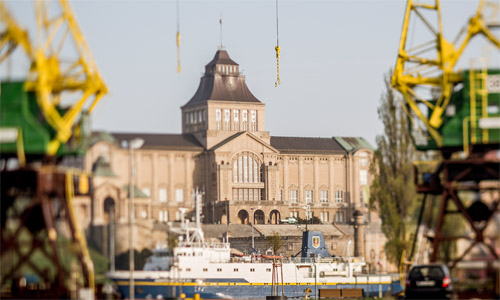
x=246, y=168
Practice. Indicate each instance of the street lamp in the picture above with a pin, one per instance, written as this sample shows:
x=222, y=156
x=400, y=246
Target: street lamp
x=251, y=224
x=132, y=144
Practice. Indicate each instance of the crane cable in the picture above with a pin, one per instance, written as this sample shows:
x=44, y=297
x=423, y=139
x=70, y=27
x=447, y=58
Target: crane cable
x=277, y=48
x=178, y=36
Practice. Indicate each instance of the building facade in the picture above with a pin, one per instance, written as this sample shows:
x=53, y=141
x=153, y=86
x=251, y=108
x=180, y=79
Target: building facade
x=246, y=174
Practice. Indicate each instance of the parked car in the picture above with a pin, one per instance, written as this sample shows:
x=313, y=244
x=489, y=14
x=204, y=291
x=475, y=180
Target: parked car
x=289, y=220
x=431, y=281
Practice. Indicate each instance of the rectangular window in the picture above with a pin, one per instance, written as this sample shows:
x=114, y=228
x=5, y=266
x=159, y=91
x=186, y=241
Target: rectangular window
x=323, y=196
x=245, y=191
x=293, y=196
x=236, y=114
x=218, y=118
x=253, y=120
x=244, y=117
x=255, y=171
x=339, y=196
x=250, y=194
x=147, y=191
x=200, y=118
x=235, y=192
x=240, y=192
x=363, y=177
x=235, y=270
x=294, y=214
x=245, y=169
x=179, y=195
x=240, y=167
x=205, y=270
x=281, y=196
x=256, y=194
x=250, y=169
x=325, y=217
x=162, y=195
x=309, y=196
x=363, y=161
x=252, y=270
x=339, y=217
x=227, y=119
x=235, y=171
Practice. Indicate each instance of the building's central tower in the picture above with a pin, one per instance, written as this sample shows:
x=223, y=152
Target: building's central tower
x=223, y=105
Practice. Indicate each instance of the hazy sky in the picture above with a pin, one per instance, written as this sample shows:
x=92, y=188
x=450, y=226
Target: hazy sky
x=334, y=55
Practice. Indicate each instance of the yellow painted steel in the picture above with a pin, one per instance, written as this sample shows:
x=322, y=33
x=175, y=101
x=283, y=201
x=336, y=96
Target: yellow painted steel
x=46, y=77
x=78, y=233
x=278, y=81
x=414, y=69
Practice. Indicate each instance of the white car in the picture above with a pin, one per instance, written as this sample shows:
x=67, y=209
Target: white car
x=289, y=220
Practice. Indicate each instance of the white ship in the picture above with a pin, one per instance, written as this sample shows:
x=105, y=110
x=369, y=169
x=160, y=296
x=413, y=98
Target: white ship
x=209, y=269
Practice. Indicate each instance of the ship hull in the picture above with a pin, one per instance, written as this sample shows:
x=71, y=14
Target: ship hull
x=239, y=289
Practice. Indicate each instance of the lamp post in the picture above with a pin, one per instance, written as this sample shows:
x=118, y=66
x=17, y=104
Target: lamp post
x=251, y=224
x=132, y=144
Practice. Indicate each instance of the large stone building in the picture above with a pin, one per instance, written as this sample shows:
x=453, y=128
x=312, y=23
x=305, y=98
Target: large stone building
x=246, y=175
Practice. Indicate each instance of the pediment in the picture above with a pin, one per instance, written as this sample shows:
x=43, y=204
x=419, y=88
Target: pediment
x=244, y=141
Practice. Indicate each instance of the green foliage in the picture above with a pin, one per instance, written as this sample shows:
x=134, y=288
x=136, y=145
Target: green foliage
x=140, y=258
x=101, y=263
x=274, y=242
x=393, y=191
x=313, y=220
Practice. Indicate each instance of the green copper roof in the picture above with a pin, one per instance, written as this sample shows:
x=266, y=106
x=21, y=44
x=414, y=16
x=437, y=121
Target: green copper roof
x=352, y=144
x=102, y=167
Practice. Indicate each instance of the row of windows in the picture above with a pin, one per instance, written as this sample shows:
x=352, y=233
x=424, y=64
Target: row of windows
x=324, y=216
x=196, y=117
x=227, y=69
x=220, y=270
x=308, y=196
x=235, y=124
x=247, y=194
x=163, y=194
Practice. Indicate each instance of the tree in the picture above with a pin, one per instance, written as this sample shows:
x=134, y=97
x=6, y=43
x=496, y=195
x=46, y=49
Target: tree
x=274, y=242
x=393, y=191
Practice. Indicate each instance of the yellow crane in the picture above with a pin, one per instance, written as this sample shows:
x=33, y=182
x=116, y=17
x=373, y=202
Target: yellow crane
x=428, y=70
x=46, y=110
x=65, y=88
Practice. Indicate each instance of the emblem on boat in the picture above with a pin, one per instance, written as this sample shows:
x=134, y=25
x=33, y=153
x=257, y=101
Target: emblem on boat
x=315, y=240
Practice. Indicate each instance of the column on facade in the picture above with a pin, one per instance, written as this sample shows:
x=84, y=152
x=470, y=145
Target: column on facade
x=301, y=179
x=349, y=190
x=171, y=176
x=154, y=188
x=188, y=180
x=316, y=179
x=331, y=174
x=285, y=181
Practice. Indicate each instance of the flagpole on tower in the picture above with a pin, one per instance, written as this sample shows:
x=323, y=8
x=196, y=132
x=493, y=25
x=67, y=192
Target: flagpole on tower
x=220, y=22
